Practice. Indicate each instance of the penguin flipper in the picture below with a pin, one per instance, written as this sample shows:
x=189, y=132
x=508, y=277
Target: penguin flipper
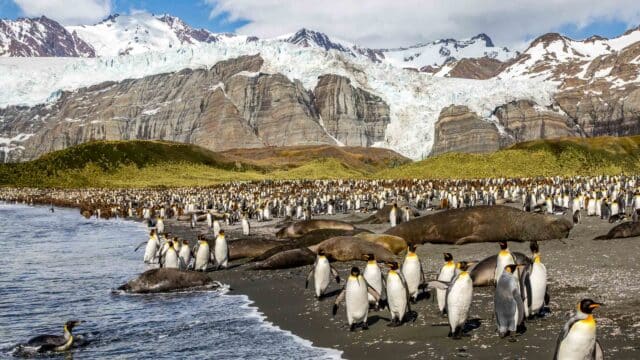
x=437, y=284
x=306, y=283
x=339, y=299
x=598, y=353
x=139, y=246
x=563, y=335
x=335, y=274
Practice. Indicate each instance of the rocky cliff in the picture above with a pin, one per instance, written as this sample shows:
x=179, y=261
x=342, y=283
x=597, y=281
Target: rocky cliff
x=458, y=129
x=231, y=105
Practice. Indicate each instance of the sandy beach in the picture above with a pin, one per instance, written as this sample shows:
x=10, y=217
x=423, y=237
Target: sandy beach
x=578, y=267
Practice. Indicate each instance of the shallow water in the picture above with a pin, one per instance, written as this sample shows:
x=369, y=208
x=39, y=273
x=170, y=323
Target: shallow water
x=60, y=266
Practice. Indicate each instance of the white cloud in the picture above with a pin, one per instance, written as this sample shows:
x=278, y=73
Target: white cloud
x=67, y=12
x=384, y=23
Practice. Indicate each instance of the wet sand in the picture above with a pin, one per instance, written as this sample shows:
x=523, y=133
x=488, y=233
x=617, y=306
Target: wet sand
x=578, y=267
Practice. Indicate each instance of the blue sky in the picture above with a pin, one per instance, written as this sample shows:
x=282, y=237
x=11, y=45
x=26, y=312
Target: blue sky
x=381, y=23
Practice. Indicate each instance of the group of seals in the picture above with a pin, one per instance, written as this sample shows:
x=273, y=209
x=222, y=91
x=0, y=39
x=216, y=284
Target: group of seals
x=481, y=224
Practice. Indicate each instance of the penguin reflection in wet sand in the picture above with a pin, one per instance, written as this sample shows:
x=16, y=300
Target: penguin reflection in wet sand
x=49, y=343
x=578, y=341
x=412, y=272
x=355, y=293
x=447, y=272
x=321, y=272
x=397, y=295
x=509, y=308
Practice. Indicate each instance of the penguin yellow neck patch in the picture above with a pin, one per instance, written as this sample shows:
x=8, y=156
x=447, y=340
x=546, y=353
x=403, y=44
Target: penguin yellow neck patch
x=504, y=252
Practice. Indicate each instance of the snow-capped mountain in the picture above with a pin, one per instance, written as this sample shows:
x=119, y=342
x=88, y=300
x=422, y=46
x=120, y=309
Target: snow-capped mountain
x=40, y=37
x=139, y=33
x=310, y=38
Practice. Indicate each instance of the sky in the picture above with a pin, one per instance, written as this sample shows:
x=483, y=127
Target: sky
x=370, y=23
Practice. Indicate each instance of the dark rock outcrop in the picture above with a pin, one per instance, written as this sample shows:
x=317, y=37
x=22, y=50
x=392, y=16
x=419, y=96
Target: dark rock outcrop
x=458, y=129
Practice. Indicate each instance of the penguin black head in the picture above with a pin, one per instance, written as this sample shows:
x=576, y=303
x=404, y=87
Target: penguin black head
x=185, y=242
x=170, y=243
x=503, y=244
x=355, y=271
x=153, y=232
x=448, y=257
x=71, y=324
x=221, y=232
x=321, y=252
x=412, y=247
x=393, y=265
x=369, y=257
x=587, y=306
x=463, y=266
x=510, y=268
x=534, y=247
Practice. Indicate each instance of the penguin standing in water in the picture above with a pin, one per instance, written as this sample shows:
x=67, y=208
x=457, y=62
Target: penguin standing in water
x=52, y=343
x=184, y=255
x=355, y=294
x=153, y=246
x=373, y=276
x=221, y=251
x=203, y=254
x=397, y=295
x=534, y=283
x=412, y=272
x=321, y=272
x=447, y=272
x=459, y=292
x=509, y=308
x=246, y=228
x=578, y=338
x=505, y=257
x=393, y=215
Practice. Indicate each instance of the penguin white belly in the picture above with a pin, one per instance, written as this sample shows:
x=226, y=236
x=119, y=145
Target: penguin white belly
x=446, y=274
x=321, y=276
x=374, y=277
x=357, y=301
x=221, y=252
x=392, y=218
x=591, y=208
x=411, y=272
x=202, y=257
x=160, y=226
x=459, y=301
x=216, y=227
x=150, y=251
x=502, y=261
x=538, y=280
x=397, y=297
x=171, y=260
x=579, y=342
x=245, y=227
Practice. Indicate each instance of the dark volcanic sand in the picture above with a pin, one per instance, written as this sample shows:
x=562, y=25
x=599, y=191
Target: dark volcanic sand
x=577, y=267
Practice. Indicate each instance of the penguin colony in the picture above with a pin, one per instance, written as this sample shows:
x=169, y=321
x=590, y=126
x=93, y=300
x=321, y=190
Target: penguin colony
x=520, y=289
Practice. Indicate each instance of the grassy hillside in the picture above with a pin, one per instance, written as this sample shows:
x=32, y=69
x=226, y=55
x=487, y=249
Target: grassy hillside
x=568, y=156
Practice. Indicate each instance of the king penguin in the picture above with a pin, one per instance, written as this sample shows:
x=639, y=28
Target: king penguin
x=509, y=308
x=185, y=255
x=459, y=293
x=355, y=294
x=505, y=257
x=170, y=257
x=221, y=251
x=412, y=272
x=393, y=215
x=578, y=337
x=373, y=276
x=447, y=272
x=397, y=295
x=321, y=272
x=535, y=283
x=246, y=228
x=203, y=254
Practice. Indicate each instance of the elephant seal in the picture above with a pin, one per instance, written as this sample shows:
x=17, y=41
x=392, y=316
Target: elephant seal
x=309, y=239
x=483, y=273
x=347, y=248
x=168, y=280
x=299, y=228
x=382, y=216
x=624, y=230
x=392, y=243
x=250, y=247
x=482, y=224
x=286, y=259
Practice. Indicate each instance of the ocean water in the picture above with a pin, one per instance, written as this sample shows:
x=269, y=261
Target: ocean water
x=59, y=266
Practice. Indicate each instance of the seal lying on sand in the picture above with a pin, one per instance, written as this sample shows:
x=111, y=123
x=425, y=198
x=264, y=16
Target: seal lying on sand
x=482, y=224
x=250, y=247
x=167, y=280
x=382, y=216
x=286, y=259
x=624, y=230
x=392, y=243
x=483, y=273
x=300, y=228
x=347, y=248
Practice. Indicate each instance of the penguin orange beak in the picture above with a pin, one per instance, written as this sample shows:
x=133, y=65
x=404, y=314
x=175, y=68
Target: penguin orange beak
x=595, y=305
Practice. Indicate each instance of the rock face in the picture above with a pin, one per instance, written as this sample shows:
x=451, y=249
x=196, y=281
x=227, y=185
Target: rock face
x=352, y=116
x=231, y=105
x=40, y=37
x=479, y=68
x=460, y=130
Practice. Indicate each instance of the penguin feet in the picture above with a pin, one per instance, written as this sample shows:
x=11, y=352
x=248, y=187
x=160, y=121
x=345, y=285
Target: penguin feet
x=521, y=329
x=365, y=326
x=394, y=323
x=504, y=334
x=352, y=328
x=450, y=334
x=457, y=334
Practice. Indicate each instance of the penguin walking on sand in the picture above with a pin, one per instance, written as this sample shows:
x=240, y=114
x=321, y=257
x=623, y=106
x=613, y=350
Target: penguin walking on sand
x=446, y=274
x=509, y=308
x=209, y=220
x=459, y=293
x=534, y=283
x=322, y=272
x=216, y=227
x=246, y=228
x=578, y=339
x=397, y=295
x=203, y=254
x=393, y=215
x=413, y=272
x=373, y=276
x=355, y=295
x=194, y=220
x=221, y=251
